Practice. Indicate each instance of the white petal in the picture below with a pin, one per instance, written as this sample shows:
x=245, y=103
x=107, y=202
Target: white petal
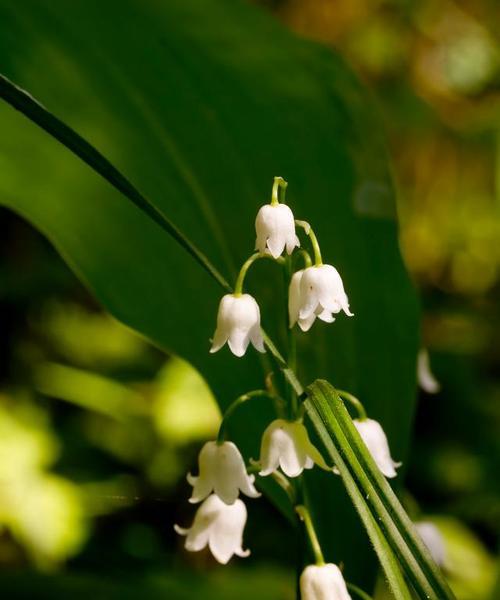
x=326, y=316
x=269, y=450
x=231, y=474
x=204, y=483
x=292, y=243
x=276, y=245
x=226, y=535
x=219, y=339
x=222, y=330
x=306, y=324
x=257, y=339
x=238, y=342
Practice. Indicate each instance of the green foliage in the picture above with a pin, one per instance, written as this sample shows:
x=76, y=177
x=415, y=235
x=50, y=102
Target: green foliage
x=42, y=511
x=200, y=104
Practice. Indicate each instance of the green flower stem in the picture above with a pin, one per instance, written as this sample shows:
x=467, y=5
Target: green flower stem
x=285, y=484
x=232, y=407
x=318, y=261
x=238, y=286
x=358, y=405
x=306, y=256
x=358, y=591
x=305, y=516
x=279, y=183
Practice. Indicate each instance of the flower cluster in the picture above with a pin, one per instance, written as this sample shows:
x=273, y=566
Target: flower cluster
x=315, y=291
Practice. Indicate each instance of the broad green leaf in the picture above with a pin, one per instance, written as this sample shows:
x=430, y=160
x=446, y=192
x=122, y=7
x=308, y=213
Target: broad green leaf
x=198, y=105
x=371, y=492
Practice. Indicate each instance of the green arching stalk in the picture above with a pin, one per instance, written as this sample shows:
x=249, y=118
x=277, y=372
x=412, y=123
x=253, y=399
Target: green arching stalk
x=358, y=591
x=306, y=256
x=285, y=484
x=318, y=261
x=278, y=183
x=305, y=516
x=358, y=405
x=238, y=286
x=233, y=406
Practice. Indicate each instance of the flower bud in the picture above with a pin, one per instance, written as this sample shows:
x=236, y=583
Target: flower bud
x=275, y=228
x=238, y=324
x=323, y=582
x=286, y=444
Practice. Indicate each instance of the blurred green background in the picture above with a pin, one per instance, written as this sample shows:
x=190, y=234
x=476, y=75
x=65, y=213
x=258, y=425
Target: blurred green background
x=100, y=427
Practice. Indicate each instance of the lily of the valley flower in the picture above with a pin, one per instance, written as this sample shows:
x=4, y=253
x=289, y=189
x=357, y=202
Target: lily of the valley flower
x=286, y=444
x=221, y=470
x=238, y=324
x=323, y=582
x=220, y=526
x=432, y=538
x=375, y=439
x=275, y=228
x=316, y=292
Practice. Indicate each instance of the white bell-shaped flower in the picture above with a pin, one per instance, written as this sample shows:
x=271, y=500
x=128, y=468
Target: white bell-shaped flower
x=275, y=228
x=238, y=324
x=316, y=292
x=286, y=444
x=375, y=439
x=432, y=538
x=294, y=305
x=219, y=525
x=323, y=582
x=221, y=470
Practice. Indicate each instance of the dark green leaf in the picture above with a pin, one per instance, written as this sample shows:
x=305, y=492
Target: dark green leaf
x=200, y=104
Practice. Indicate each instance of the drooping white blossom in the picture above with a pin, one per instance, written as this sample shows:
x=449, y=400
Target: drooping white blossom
x=323, y=582
x=432, y=538
x=294, y=304
x=286, y=444
x=317, y=291
x=218, y=525
x=425, y=376
x=375, y=439
x=238, y=324
x=275, y=228
x=221, y=470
